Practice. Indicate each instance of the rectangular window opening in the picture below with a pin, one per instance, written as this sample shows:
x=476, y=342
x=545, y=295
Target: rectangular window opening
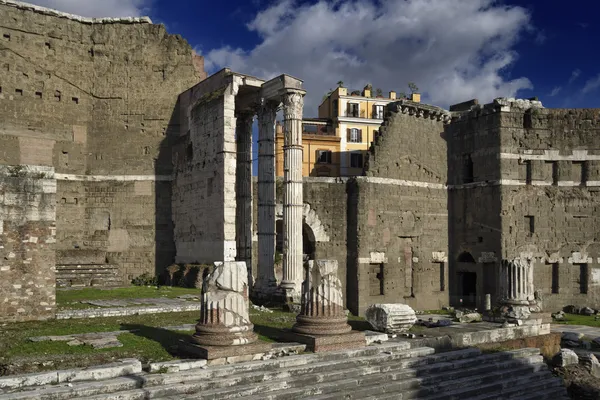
x=530, y=225
x=356, y=160
x=528, y=172
x=467, y=169
x=38, y=95
x=19, y=92
x=355, y=135
x=75, y=100
x=376, y=278
x=6, y=36
x=580, y=172
x=442, y=277
x=555, y=278
x=583, y=278
x=324, y=156
x=378, y=112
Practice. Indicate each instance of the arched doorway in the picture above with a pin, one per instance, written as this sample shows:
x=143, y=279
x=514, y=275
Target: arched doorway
x=467, y=280
x=308, y=240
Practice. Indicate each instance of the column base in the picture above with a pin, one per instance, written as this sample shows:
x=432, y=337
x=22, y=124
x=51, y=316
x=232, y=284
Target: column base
x=264, y=292
x=321, y=326
x=320, y=343
x=220, y=335
x=195, y=350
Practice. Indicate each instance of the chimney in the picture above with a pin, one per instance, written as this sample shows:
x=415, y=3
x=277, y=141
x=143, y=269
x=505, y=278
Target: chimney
x=416, y=97
x=392, y=95
x=367, y=91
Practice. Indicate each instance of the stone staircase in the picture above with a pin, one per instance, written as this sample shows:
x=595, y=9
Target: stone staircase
x=386, y=371
x=97, y=275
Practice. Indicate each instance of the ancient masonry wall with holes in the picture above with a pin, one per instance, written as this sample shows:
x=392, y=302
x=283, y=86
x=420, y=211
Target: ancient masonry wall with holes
x=96, y=100
x=525, y=182
x=27, y=240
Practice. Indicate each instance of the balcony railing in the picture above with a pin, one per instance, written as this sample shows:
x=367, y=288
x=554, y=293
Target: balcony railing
x=362, y=114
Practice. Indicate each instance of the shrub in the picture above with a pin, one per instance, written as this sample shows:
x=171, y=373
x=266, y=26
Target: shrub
x=145, y=280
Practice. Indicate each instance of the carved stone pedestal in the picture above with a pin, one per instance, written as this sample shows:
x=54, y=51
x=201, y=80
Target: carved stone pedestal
x=322, y=323
x=224, y=323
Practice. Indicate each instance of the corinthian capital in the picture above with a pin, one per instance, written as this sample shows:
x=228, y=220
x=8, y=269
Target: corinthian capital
x=293, y=103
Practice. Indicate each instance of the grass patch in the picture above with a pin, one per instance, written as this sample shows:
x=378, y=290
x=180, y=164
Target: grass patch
x=576, y=319
x=70, y=299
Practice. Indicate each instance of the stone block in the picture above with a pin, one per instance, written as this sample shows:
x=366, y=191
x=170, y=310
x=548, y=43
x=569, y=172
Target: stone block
x=320, y=343
x=565, y=357
x=220, y=352
x=391, y=318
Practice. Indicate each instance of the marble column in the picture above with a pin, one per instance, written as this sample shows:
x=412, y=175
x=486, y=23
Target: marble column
x=293, y=103
x=322, y=311
x=243, y=190
x=266, y=283
x=517, y=286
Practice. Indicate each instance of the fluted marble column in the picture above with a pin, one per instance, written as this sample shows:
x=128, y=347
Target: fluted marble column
x=516, y=279
x=243, y=183
x=266, y=283
x=293, y=103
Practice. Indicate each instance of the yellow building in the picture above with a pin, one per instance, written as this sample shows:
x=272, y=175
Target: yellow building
x=336, y=143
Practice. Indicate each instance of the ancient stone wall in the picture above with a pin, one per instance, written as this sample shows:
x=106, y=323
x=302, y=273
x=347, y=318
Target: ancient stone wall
x=27, y=240
x=96, y=99
x=550, y=161
x=525, y=183
x=473, y=220
x=397, y=218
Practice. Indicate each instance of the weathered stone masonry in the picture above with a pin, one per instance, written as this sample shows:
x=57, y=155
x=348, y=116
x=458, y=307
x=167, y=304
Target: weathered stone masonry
x=94, y=98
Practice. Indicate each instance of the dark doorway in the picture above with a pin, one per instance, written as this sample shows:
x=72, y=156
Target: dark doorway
x=308, y=240
x=469, y=289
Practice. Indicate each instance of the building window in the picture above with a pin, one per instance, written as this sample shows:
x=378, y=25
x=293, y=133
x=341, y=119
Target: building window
x=555, y=278
x=378, y=112
x=442, y=268
x=530, y=225
x=583, y=278
x=580, y=172
x=355, y=135
x=376, y=282
x=467, y=169
x=528, y=172
x=356, y=160
x=324, y=156
x=353, y=110
x=554, y=171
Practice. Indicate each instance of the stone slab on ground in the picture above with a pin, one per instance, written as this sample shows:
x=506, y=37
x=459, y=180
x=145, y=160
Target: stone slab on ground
x=123, y=367
x=176, y=365
x=225, y=352
x=351, y=340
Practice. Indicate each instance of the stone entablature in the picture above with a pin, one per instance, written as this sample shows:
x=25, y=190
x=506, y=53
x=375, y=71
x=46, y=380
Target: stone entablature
x=420, y=110
x=501, y=104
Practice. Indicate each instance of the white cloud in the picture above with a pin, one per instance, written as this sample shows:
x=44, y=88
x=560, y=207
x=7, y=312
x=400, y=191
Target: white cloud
x=574, y=75
x=454, y=50
x=591, y=84
x=98, y=8
x=555, y=91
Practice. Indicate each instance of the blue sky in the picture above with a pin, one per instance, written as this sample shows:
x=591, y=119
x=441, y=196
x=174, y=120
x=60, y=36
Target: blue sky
x=454, y=50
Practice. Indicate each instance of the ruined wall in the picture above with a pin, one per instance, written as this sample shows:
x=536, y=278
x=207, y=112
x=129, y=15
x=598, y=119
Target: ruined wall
x=204, y=181
x=531, y=192
x=550, y=163
x=474, y=197
x=96, y=100
x=27, y=240
x=397, y=218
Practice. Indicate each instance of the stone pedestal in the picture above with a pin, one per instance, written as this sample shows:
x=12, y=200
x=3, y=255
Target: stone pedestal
x=391, y=318
x=224, y=319
x=322, y=323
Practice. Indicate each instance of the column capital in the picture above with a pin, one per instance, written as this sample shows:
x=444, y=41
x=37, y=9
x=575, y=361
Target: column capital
x=293, y=103
x=267, y=110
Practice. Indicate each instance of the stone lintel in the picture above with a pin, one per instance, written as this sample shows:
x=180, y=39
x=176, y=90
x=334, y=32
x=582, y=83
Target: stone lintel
x=213, y=352
x=273, y=89
x=579, y=258
x=317, y=344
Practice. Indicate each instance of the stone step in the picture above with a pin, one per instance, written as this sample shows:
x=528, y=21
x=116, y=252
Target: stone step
x=472, y=387
x=438, y=383
x=547, y=384
x=280, y=378
x=329, y=389
x=337, y=358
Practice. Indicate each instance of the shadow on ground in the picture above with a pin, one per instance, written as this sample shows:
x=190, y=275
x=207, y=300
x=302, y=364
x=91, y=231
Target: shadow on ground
x=168, y=339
